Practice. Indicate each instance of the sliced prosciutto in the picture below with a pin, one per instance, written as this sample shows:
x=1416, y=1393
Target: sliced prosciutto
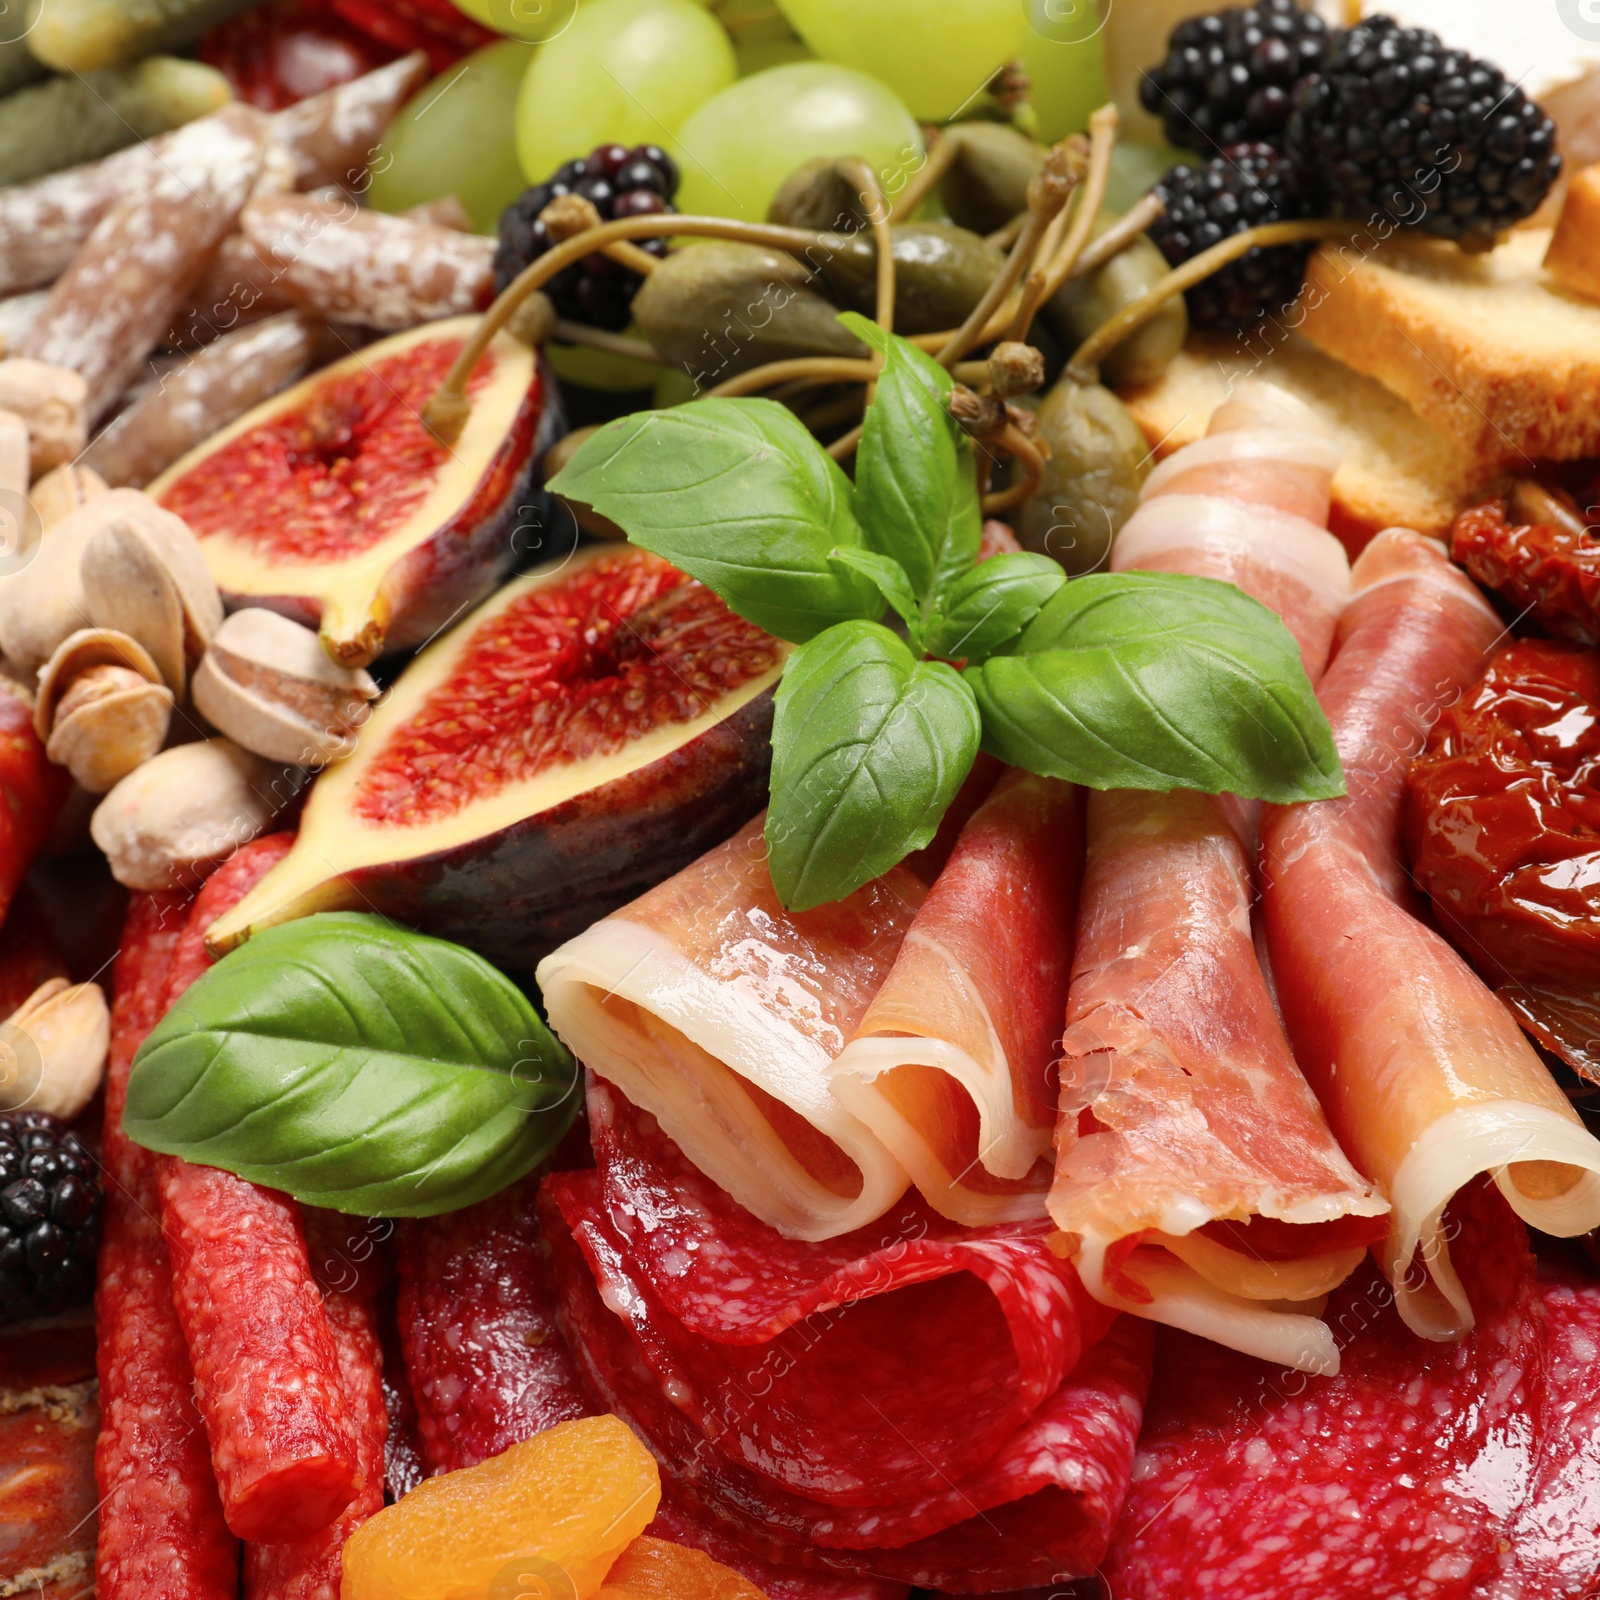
x=1248, y=505
x=912, y=1401
x=1196, y=1172
x=1197, y=1180
x=719, y=1012
x=1424, y=1075
x=953, y=1065
x=1399, y=1479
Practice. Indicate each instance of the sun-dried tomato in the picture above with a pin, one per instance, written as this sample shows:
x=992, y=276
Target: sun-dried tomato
x=1503, y=818
x=1553, y=570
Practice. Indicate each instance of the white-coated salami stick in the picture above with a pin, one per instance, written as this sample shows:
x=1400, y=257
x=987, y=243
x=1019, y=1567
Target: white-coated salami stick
x=350, y=265
x=126, y=283
x=219, y=384
x=331, y=137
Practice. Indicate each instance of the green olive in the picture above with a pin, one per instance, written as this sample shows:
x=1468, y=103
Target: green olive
x=1084, y=304
x=717, y=308
x=987, y=184
x=818, y=195
x=1098, y=462
x=940, y=271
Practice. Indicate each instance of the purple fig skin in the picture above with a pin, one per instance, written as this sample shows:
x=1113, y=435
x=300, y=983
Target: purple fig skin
x=516, y=894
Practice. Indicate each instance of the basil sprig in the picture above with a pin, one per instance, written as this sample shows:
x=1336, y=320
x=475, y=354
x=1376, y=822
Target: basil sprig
x=357, y=1066
x=1136, y=681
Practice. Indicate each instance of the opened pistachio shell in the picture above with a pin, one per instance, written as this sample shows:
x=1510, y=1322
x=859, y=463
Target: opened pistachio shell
x=1084, y=304
x=61, y=491
x=79, y=653
x=1097, y=464
x=44, y=602
x=819, y=196
x=144, y=575
x=171, y=819
x=987, y=184
x=941, y=273
x=53, y=1049
x=717, y=308
x=101, y=709
x=269, y=685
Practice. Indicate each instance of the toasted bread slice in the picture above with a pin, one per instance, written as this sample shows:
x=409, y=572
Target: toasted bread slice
x=1488, y=348
x=1398, y=470
x=1574, y=254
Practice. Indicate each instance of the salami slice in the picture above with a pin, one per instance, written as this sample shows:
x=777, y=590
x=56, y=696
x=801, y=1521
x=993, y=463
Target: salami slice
x=1555, y=1540
x=763, y=1370
x=477, y=1327
x=162, y=1535
x=1396, y=1480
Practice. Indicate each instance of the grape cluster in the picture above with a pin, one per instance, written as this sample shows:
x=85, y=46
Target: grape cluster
x=50, y=1202
x=618, y=182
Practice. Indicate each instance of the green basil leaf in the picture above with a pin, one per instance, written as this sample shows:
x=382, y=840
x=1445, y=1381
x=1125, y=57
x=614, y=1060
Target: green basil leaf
x=869, y=745
x=890, y=580
x=990, y=604
x=916, y=479
x=355, y=1065
x=1159, y=681
x=738, y=494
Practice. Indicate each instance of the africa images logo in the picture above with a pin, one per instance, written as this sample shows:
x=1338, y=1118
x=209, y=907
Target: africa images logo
x=1582, y=17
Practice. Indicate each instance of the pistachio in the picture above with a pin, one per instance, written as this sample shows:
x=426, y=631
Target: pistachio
x=53, y=1049
x=53, y=402
x=171, y=819
x=102, y=709
x=43, y=603
x=269, y=685
x=61, y=491
x=719, y=309
x=143, y=574
x=14, y=468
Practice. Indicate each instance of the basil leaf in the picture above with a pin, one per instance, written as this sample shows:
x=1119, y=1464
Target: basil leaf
x=1159, y=681
x=990, y=604
x=890, y=580
x=738, y=494
x=355, y=1065
x=869, y=745
x=916, y=480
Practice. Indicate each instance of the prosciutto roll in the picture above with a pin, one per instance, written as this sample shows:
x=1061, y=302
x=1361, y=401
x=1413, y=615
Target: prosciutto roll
x=952, y=1066
x=713, y=1008
x=1197, y=1180
x=1424, y=1075
x=1248, y=505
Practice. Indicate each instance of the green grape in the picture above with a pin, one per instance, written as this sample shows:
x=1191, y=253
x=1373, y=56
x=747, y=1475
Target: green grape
x=458, y=136
x=600, y=369
x=937, y=55
x=534, y=20
x=736, y=149
x=1065, y=56
x=626, y=72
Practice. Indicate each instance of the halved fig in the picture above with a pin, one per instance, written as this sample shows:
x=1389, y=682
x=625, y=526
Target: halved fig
x=333, y=504
x=593, y=728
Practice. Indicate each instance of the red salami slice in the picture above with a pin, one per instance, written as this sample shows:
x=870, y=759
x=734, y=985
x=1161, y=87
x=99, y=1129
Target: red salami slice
x=1396, y=1480
x=647, y=1234
x=486, y=1364
x=1555, y=1540
x=770, y=1340
x=284, y=1444
x=162, y=1536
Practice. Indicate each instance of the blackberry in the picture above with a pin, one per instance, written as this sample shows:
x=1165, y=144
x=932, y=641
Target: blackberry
x=618, y=182
x=1397, y=125
x=1230, y=76
x=50, y=1202
x=1247, y=185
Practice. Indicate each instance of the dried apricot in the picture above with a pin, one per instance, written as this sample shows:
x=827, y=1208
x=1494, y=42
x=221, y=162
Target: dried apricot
x=653, y=1569
x=544, y=1520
